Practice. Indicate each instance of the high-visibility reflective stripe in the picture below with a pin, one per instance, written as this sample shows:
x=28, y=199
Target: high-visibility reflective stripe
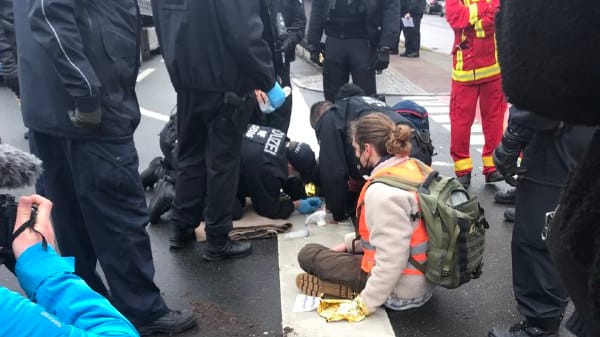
x=463, y=164
x=473, y=13
x=488, y=161
x=459, y=60
x=419, y=249
x=475, y=74
x=366, y=245
x=479, y=32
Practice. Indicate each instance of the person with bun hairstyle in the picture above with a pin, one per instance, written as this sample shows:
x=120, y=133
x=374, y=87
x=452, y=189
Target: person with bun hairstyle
x=382, y=275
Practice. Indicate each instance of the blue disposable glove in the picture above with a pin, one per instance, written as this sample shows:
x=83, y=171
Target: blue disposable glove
x=309, y=205
x=276, y=96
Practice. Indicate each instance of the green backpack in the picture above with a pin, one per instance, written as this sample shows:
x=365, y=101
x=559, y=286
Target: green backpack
x=455, y=225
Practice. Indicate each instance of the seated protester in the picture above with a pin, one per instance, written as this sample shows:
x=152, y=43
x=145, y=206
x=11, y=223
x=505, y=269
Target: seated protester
x=269, y=165
x=386, y=221
x=61, y=303
x=339, y=179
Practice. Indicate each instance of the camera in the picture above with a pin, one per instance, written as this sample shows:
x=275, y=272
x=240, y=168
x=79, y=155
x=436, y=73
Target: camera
x=8, y=215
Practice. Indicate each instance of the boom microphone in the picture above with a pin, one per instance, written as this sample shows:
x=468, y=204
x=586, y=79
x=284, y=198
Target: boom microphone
x=18, y=168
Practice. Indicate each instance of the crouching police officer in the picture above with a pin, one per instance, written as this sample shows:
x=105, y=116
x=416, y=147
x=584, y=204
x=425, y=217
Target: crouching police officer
x=288, y=23
x=360, y=35
x=340, y=180
x=270, y=164
x=214, y=53
x=551, y=150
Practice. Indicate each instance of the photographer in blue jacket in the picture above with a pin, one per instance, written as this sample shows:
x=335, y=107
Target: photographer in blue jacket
x=60, y=303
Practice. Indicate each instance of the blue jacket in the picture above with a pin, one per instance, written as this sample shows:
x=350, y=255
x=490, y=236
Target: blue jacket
x=84, y=53
x=64, y=304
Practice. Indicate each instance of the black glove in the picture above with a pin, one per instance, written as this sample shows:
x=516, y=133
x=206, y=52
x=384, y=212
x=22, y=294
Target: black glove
x=87, y=112
x=315, y=55
x=289, y=46
x=507, y=154
x=383, y=58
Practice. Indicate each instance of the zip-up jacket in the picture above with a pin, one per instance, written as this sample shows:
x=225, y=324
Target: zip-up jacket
x=382, y=20
x=75, y=51
x=61, y=305
x=214, y=45
x=474, y=53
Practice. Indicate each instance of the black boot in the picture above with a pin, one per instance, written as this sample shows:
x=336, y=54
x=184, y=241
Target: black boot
x=524, y=329
x=162, y=199
x=507, y=197
x=179, y=234
x=174, y=321
x=493, y=177
x=229, y=250
x=153, y=172
x=465, y=180
x=509, y=214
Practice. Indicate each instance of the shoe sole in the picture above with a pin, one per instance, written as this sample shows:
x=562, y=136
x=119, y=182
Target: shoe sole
x=152, y=330
x=313, y=286
x=211, y=258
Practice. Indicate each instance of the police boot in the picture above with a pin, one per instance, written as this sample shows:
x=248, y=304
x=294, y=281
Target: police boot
x=161, y=201
x=509, y=214
x=155, y=170
x=179, y=234
x=229, y=250
x=527, y=329
x=493, y=177
x=507, y=197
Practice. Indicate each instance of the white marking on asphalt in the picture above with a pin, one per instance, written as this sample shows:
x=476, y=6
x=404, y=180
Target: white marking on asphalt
x=300, y=129
x=441, y=163
x=144, y=74
x=476, y=128
x=154, y=115
x=477, y=140
x=440, y=118
x=438, y=110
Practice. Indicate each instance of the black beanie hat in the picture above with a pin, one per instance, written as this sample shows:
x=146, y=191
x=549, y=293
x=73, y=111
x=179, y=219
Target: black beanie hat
x=302, y=158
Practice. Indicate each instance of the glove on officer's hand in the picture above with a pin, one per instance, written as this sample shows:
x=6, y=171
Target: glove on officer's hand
x=87, y=112
x=383, y=58
x=507, y=154
x=276, y=96
x=309, y=205
x=288, y=45
x=315, y=55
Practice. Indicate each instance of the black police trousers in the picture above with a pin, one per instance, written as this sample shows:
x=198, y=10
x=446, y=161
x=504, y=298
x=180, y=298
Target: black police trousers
x=412, y=35
x=537, y=286
x=208, y=161
x=345, y=57
x=100, y=215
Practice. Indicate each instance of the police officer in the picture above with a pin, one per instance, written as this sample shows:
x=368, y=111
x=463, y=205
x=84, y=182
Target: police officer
x=551, y=151
x=214, y=53
x=288, y=23
x=412, y=9
x=339, y=178
x=268, y=161
x=78, y=62
x=360, y=35
x=8, y=47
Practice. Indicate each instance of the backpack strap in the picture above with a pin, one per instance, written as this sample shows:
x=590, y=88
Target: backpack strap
x=419, y=266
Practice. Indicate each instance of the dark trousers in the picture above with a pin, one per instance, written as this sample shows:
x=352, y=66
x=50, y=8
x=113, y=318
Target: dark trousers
x=208, y=160
x=412, y=35
x=345, y=57
x=280, y=118
x=332, y=266
x=100, y=214
x=538, y=289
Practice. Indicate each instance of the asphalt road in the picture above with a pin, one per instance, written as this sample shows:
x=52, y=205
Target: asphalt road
x=252, y=296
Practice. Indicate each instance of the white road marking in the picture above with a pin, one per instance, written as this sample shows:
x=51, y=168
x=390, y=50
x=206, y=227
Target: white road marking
x=300, y=129
x=437, y=110
x=154, y=115
x=144, y=74
x=440, y=118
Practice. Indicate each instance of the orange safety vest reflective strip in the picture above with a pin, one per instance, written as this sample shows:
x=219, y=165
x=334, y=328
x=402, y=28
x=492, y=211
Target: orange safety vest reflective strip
x=419, y=239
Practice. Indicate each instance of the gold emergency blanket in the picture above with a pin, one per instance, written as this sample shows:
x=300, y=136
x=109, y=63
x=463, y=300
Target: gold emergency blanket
x=338, y=310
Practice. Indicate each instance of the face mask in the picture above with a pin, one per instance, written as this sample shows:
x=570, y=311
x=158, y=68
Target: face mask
x=363, y=170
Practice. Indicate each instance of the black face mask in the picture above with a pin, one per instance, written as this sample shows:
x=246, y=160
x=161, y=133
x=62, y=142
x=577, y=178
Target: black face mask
x=367, y=170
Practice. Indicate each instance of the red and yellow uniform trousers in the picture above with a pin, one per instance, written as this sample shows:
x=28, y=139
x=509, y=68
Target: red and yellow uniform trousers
x=475, y=77
x=419, y=240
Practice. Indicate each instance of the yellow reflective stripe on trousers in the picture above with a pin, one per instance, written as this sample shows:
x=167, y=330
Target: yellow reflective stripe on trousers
x=463, y=164
x=488, y=161
x=476, y=74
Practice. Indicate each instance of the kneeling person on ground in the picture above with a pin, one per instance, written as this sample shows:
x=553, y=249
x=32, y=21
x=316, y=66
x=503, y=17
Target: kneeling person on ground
x=270, y=164
x=387, y=221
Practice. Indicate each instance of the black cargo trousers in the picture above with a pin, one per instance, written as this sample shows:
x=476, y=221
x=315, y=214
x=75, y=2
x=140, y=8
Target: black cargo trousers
x=208, y=161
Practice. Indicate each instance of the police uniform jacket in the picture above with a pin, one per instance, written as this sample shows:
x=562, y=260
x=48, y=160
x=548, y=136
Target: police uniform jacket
x=293, y=17
x=263, y=171
x=337, y=162
x=382, y=21
x=84, y=51
x=214, y=45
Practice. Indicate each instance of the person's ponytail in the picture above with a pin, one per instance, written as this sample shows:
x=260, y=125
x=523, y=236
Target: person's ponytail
x=398, y=142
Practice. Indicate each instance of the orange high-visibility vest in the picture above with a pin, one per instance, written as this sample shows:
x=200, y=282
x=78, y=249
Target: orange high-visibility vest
x=419, y=239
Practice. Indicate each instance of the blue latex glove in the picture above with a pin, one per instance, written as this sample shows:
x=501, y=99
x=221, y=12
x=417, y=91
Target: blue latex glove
x=315, y=202
x=276, y=96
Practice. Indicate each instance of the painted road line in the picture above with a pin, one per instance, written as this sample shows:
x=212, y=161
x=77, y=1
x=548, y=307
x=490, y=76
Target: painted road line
x=440, y=118
x=477, y=140
x=144, y=74
x=437, y=110
x=154, y=115
x=300, y=129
